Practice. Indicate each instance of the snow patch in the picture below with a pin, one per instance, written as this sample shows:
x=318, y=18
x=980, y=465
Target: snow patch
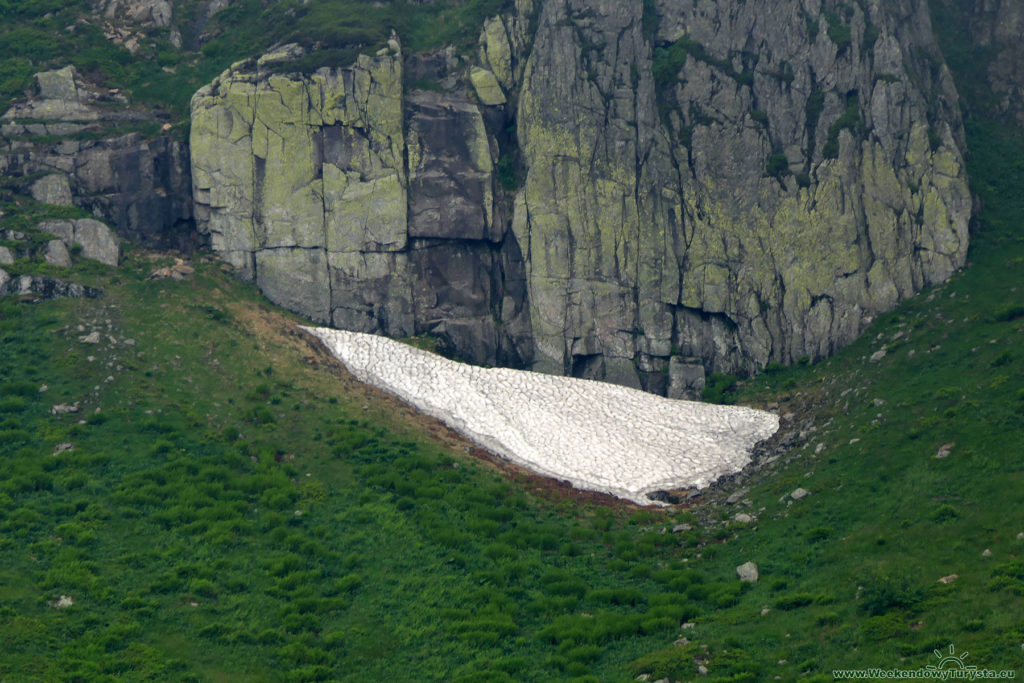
x=598, y=436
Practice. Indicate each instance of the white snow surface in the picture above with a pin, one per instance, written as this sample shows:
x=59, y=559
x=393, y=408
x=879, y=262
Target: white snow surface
x=598, y=436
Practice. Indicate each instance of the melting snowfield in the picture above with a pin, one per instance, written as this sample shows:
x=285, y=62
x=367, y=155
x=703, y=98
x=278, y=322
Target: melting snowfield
x=598, y=436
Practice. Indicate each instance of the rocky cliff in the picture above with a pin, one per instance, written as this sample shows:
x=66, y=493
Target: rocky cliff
x=359, y=204
x=74, y=143
x=633, y=191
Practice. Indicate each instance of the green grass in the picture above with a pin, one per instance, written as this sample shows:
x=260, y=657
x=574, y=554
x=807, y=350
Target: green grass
x=236, y=508
x=172, y=521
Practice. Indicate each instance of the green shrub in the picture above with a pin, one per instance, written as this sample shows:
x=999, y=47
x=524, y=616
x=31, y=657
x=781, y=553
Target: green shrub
x=849, y=119
x=9, y=438
x=203, y=588
x=885, y=626
x=261, y=415
x=719, y=388
x=568, y=586
x=838, y=32
x=348, y=583
x=675, y=663
x=20, y=388
x=12, y=404
x=777, y=166
x=510, y=177
x=1008, y=577
x=945, y=513
x=794, y=601
x=819, y=533
x=885, y=590
x=617, y=596
x=1009, y=312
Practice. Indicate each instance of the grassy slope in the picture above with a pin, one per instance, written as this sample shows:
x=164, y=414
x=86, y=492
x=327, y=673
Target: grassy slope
x=410, y=561
x=404, y=567
x=194, y=447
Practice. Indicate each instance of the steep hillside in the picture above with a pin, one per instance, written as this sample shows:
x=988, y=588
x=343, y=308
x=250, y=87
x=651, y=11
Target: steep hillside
x=193, y=490
x=168, y=518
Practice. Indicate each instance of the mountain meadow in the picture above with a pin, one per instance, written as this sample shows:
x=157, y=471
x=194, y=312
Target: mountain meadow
x=193, y=489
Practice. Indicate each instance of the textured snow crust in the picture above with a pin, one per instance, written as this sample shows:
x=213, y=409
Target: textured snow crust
x=598, y=436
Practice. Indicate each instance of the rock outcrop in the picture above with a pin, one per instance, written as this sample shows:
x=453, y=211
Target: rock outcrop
x=630, y=191
x=97, y=241
x=358, y=204
x=43, y=288
x=143, y=12
x=83, y=146
x=801, y=176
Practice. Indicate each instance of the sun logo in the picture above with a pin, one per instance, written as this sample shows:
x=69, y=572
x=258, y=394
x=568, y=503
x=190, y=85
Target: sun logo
x=950, y=659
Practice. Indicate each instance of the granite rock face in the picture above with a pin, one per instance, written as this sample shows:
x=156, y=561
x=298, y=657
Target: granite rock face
x=43, y=288
x=145, y=12
x=70, y=137
x=358, y=204
x=790, y=174
x=636, y=192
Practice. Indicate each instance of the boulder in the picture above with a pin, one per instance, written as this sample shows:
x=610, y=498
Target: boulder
x=799, y=493
x=98, y=242
x=63, y=229
x=56, y=254
x=52, y=189
x=58, y=84
x=63, y=602
x=143, y=12
x=486, y=86
x=748, y=572
x=735, y=496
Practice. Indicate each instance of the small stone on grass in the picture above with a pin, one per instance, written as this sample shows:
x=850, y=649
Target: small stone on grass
x=799, y=493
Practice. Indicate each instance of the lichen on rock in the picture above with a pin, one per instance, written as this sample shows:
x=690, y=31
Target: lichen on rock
x=617, y=191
